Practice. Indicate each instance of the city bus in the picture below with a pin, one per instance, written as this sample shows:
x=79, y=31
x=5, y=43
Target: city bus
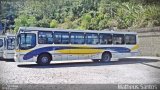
x=1, y=45
x=9, y=46
x=42, y=45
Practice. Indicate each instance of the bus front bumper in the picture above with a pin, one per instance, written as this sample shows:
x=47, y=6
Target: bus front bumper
x=8, y=55
x=1, y=54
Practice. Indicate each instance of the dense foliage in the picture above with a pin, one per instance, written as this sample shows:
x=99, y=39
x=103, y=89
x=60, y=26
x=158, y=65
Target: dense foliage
x=83, y=14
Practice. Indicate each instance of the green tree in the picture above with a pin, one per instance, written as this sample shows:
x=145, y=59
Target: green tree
x=85, y=21
x=43, y=23
x=24, y=20
x=53, y=23
x=83, y=14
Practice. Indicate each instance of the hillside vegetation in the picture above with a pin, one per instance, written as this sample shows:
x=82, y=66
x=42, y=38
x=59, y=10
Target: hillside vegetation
x=83, y=14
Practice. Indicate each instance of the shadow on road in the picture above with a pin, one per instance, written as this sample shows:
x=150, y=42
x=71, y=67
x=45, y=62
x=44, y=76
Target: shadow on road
x=88, y=63
x=151, y=65
x=7, y=60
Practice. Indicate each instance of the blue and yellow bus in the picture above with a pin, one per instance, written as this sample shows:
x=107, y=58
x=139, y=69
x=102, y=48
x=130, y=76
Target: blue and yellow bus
x=42, y=45
x=9, y=46
x=1, y=45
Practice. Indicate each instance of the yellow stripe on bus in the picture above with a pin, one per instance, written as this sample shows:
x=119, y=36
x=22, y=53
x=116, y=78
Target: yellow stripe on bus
x=135, y=47
x=80, y=51
x=23, y=50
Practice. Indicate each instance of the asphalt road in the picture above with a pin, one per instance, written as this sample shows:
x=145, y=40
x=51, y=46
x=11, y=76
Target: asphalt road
x=143, y=70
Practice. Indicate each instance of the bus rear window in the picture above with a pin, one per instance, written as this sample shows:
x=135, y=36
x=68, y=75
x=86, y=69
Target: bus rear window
x=11, y=43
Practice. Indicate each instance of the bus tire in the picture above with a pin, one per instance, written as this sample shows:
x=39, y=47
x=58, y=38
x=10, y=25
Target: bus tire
x=106, y=57
x=44, y=59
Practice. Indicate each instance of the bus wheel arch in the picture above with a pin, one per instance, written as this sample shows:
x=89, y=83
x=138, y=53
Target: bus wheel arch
x=44, y=58
x=106, y=56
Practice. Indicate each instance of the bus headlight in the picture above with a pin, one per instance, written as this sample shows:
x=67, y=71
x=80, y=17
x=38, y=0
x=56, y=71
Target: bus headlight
x=16, y=57
x=4, y=54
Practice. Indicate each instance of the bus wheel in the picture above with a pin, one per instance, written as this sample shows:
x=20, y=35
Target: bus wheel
x=106, y=57
x=44, y=59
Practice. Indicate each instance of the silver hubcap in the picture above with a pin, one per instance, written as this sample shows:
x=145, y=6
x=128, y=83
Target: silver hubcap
x=106, y=57
x=44, y=59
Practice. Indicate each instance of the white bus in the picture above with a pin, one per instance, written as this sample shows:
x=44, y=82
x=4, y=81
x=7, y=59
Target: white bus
x=8, y=52
x=41, y=45
x=1, y=45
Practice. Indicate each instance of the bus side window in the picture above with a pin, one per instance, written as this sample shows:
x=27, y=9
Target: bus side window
x=105, y=38
x=92, y=38
x=65, y=38
x=57, y=38
x=118, y=39
x=61, y=37
x=45, y=37
x=77, y=38
x=130, y=39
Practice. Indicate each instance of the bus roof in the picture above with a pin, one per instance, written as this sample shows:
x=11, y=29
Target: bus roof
x=72, y=30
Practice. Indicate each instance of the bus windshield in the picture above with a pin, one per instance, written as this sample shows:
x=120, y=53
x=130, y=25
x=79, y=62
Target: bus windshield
x=11, y=43
x=26, y=40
